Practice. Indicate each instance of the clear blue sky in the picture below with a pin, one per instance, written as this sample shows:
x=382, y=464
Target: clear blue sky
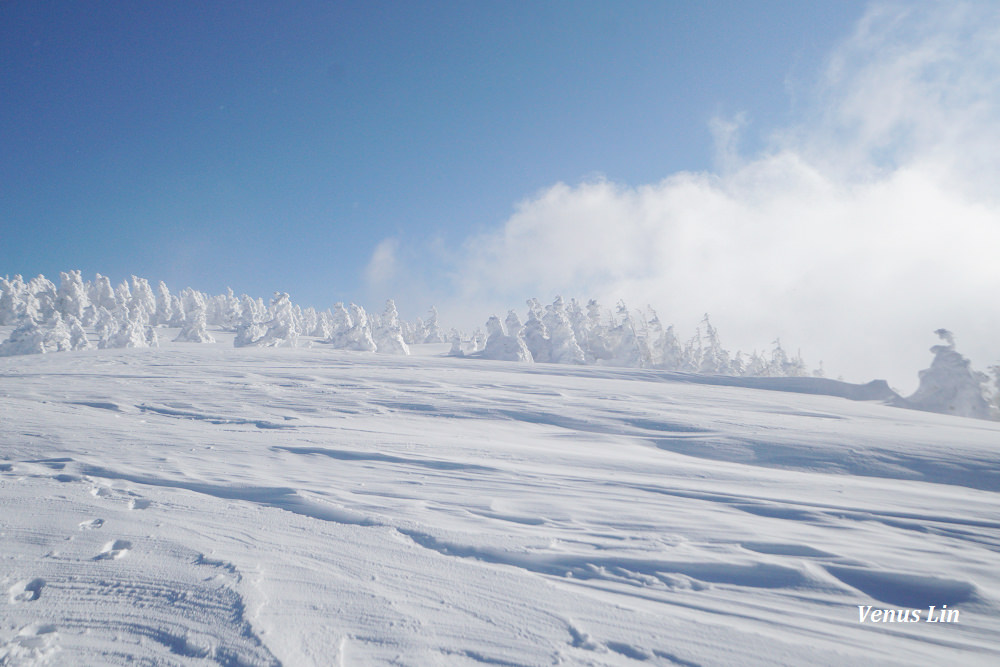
x=266, y=146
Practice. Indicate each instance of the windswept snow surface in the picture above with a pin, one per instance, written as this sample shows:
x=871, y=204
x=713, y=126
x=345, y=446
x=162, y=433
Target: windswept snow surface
x=204, y=504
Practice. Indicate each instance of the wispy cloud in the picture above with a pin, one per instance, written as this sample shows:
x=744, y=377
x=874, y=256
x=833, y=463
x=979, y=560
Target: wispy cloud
x=869, y=223
x=382, y=267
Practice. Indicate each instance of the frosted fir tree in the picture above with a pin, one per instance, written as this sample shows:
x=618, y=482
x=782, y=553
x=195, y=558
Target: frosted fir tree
x=101, y=294
x=77, y=336
x=501, y=345
x=432, y=331
x=693, y=352
x=340, y=322
x=513, y=324
x=738, y=365
x=756, y=365
x=456, y=345
x=104, y=323
x=177, y=314
x=32, y=337
x=714, y=358
x=623, y=341
x=478, y=340
x=594, y=335
x=224, y=310
x=580, y=324
x=11, y=300
x=669, y=350
x=126, y=330
x=143, y=302
x=654, y=334
x=195, y=329
x=324, y=325
x=309, y=318
x=123, y=295
x=71, y=299
x=353, y=331
x=26, y=338
x=45, y=293
x=950, y=386
x=413, y=332
x=283, y=327
x=387, y=335
x=780, y=365
x=191, y=301
x=250, y=329
x=535, y=335
x=563, y=346
x=995, y=400
x=164, y=305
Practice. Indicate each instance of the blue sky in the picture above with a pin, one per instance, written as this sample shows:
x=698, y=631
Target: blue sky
x=272, y=146
x=709, y=156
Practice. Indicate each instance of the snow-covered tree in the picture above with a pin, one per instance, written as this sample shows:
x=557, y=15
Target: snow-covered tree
x=432, y=332
x=456, y=345
x=624, y=344
x=101, y=294
x=282, y=330
x=164, y=306
x=40, y=299
x=250, y=329
x=223, y=311
x=32, y=337
x=353, y=331
x=714, y=358
x=11, y=300
x=125, y=329
x=995, y=401
x=563, y=346
x=950, y=385
x=123, y=295
x=143, y=302
x=388, y=335
x=71, y=299
x=535, y=335
x=195, y=329
x=503, y=346
x=77, y=336
x=513, y=324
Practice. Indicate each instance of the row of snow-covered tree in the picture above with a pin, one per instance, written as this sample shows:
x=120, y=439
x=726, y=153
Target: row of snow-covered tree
x=574, y=334
x=53, y=319
x=82, y=314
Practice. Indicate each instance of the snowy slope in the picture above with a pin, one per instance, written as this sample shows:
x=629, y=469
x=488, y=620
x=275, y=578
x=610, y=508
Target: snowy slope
x=204, y=504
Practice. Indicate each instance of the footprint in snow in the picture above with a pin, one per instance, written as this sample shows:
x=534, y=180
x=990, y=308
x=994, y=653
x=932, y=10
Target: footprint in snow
x=28, y=590
x=92, y=524
x=114, y=550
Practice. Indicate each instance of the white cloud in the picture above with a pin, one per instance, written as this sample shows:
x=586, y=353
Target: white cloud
x=867, y=225
x=382, y=267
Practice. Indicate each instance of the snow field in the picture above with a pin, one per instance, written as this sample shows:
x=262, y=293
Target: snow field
x=243, y=506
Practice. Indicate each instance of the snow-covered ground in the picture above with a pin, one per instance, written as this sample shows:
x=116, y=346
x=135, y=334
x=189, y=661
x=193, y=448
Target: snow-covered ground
x=205, y=504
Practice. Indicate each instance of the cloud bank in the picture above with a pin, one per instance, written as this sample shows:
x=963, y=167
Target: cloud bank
x=871, y=222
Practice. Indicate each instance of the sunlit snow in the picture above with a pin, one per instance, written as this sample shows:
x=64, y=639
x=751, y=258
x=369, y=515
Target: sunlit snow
x=208, y=504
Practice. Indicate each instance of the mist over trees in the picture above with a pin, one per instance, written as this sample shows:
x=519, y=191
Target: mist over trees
x=79, y=315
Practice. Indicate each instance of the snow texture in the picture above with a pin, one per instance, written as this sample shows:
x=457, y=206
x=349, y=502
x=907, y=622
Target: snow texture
x=204, y=504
